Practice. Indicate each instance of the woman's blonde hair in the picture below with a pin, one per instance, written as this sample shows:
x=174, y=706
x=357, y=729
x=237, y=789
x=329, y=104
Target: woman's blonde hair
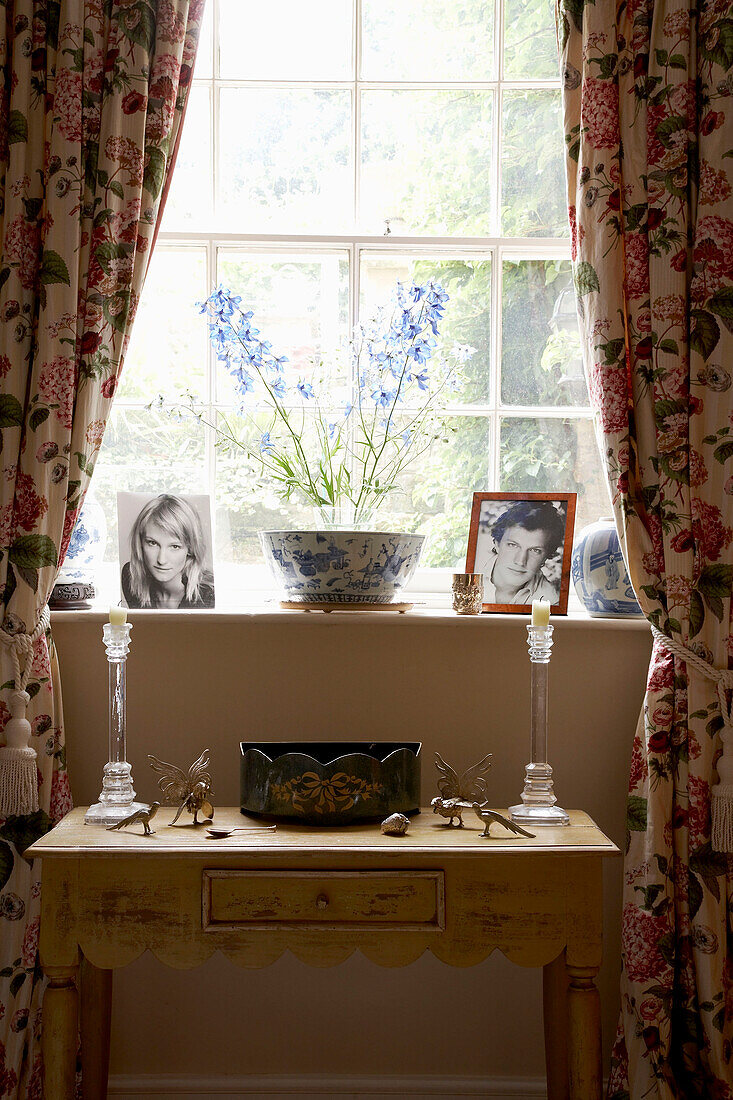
x=176, y=516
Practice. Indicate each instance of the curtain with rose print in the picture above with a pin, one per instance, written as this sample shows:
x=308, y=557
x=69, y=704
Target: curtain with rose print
x=649, y=136
x=91, y=105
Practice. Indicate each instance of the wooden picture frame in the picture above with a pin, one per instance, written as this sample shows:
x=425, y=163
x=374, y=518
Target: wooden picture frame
x=520, y=562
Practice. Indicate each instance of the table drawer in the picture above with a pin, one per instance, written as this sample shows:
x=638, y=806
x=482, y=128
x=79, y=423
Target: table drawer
x=348, y=899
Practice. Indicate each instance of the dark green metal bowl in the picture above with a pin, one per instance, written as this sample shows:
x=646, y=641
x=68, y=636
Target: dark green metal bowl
x=330, y=782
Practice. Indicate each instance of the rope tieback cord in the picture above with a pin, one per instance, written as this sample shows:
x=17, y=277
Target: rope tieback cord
x=18, y=781
x=21, y=645
x=722, y=792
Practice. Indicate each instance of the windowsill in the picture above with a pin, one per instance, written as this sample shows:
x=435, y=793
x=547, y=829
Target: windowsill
x=267, y=610
x=249, y=593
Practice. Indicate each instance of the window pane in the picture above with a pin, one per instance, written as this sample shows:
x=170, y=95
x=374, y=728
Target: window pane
x=285, y=39
x=426, y=162
x=467, y=318
x=189, y=201
x=146, y=452
x=247, y=500
x=167, y=352
x=530, y=45
x=300, y=305
x=541, y=357
x=434, y=498
x=285, y=160
x=533, y=197
x=204, y=53
x=428, y=40
x=548, y=455
x=438, y=490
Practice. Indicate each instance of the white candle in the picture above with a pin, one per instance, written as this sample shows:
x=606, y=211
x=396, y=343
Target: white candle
x=118, y=616
x=540, y=613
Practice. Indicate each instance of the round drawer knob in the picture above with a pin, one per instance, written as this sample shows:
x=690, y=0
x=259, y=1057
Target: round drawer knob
x=322, y=901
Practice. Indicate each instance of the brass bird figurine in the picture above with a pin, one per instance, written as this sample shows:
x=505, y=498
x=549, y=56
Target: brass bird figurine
x=458, y=793
x=145, y=815
x=490, y=816
x=190, y=790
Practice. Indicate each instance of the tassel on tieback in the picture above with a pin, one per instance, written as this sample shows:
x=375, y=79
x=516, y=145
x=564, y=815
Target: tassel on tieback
x=721, y=803
x=18, y=768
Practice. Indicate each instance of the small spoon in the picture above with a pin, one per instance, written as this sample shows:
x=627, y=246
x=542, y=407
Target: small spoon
x=214, y=833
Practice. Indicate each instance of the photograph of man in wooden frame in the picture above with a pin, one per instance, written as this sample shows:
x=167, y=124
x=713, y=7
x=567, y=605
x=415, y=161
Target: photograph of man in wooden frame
x=522, y=543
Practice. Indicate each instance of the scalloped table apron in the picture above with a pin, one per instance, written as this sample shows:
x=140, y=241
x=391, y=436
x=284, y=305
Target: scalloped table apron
x=107, y=897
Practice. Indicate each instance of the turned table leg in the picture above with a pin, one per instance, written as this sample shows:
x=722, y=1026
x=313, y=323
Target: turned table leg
x=95, y=1019
x=60, y=1032
x=584, y=1034
x=555, y=1015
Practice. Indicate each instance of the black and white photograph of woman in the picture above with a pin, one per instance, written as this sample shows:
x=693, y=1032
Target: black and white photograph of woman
x=165, y=551
x=522, y=547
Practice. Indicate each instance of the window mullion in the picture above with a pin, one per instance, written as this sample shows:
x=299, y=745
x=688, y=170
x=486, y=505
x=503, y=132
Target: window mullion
x=356, y=113
x=496, y=290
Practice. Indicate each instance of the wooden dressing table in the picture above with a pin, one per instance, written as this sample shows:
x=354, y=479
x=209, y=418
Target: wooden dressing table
x=321, y=893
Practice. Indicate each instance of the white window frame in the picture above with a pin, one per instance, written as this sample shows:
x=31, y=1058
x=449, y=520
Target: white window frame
x=496, y=247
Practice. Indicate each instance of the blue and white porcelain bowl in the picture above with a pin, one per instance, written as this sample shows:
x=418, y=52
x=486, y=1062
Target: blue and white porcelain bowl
x=599, y=573
x=341, y=566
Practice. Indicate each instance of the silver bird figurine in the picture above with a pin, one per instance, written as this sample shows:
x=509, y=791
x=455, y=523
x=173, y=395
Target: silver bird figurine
x=145, y=815
x=490, y=816
x=459, y=792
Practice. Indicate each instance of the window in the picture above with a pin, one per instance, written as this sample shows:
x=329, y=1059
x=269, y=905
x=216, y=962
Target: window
x=329, y=149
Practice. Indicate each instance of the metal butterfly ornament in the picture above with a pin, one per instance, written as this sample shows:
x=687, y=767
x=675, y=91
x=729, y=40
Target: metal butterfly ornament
x=468, y=792
x=458, y=793
x=190, y=791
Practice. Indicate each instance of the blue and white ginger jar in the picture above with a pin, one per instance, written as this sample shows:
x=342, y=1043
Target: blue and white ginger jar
x=599, y=573
x=74, y=586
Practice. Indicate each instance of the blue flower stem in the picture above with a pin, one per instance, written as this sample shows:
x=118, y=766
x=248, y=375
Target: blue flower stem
x=378, y=453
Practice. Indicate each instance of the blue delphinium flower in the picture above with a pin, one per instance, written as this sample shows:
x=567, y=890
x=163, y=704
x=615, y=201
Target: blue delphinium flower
x=421, y=350
x=462, y=352
x=220, y=304
x=244, y=382
x=389, y=357
x=382, y=396
x=422, y=380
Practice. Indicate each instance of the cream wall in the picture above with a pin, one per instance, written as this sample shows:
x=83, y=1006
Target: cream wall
x=458, y=685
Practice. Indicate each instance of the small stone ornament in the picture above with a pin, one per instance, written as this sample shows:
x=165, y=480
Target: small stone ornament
x=144, y=815
x=395, y=825
x=190, y=791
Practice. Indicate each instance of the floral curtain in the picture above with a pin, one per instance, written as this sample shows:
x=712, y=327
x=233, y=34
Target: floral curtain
x=649, y=136
x=91, y=105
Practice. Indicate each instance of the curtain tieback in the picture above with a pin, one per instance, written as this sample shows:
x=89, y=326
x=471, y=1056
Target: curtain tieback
x=722, y=792
x=18, y=779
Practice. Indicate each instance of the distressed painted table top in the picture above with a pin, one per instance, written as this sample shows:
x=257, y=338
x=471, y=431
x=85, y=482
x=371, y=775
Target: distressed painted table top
x=426, y=835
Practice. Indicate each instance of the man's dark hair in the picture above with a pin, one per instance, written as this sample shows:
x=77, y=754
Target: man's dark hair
x=532, y=515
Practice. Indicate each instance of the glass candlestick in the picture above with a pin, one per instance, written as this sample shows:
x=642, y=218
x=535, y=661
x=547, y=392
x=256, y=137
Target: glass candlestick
x=117, y=799
x=538, y=798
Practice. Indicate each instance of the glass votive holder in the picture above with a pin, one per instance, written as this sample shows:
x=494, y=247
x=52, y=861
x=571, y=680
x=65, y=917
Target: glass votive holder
x=468, y=593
